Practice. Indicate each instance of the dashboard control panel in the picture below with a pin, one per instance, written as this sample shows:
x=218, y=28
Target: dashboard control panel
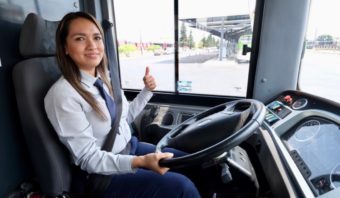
x=308, y=129
x=276, y=110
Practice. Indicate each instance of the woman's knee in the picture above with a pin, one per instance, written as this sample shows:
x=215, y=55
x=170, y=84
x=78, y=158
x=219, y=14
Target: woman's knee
x=183, y=186
x=189, y=189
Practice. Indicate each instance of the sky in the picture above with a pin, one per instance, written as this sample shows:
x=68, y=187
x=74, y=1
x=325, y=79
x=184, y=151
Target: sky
x=143, y=22
x=323, y=19
x=135, y=24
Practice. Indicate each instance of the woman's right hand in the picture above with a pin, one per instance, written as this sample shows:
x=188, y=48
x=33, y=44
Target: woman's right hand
x=151, y=161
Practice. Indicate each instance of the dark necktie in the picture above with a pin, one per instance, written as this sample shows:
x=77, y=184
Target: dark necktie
x=108, y=100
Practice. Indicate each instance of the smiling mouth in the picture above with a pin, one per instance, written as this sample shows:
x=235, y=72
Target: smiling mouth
x=96, y=55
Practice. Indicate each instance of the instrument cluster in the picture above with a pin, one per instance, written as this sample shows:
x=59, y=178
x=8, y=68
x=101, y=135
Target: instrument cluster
x=308, y=127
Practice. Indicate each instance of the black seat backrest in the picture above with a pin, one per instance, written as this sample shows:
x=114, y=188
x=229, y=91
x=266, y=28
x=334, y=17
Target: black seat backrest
x=32, y=79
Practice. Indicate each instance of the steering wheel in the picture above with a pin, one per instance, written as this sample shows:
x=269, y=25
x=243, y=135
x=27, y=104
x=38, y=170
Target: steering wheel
x=212, y=132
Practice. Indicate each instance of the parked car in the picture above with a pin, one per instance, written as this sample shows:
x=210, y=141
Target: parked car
x=158, y=52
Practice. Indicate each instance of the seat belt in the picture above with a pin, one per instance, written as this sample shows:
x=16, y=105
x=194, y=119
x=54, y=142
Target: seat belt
x=96, y=183
x=115, y=83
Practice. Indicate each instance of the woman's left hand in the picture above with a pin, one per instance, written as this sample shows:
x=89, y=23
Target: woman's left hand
x=149, y=81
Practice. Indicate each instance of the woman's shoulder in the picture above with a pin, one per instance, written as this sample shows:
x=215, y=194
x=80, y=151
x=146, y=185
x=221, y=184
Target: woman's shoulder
x=62, y=85
x=61, y=89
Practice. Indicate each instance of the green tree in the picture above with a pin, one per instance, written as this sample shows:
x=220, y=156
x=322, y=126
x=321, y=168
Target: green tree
x=183, y=39
x=204, y=42
x=210, y=41
x=153, y=48
x=325, y=39
x=127, y=49
x=191, y=42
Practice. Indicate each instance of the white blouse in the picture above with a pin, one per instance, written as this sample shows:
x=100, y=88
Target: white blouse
x=81, y=130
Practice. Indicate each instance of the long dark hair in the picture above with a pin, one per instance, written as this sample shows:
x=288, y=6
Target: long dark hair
x=68, y=67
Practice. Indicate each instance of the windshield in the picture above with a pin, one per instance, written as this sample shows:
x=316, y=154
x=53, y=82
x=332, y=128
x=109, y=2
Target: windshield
x=207, y=59
x=320, y=65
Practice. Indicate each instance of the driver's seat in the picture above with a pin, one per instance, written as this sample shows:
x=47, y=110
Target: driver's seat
x=32, y=78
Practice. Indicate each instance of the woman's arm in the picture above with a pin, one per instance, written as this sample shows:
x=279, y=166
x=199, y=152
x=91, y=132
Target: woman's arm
x=138, y=104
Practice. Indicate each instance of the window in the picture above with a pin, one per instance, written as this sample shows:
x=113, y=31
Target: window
x=145, y=33
x=16, y=10
x=320, y=65
x=210, y=38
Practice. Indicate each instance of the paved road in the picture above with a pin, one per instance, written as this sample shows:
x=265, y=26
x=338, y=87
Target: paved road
x=162, y=68
x=320, y=74
x=211, y=77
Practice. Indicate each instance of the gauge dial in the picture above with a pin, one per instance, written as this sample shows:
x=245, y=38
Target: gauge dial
x=300, y=103
x=335, y=176
x=307, y=130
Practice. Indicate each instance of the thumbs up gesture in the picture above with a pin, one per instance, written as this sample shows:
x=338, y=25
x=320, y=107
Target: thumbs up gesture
x=149, y=80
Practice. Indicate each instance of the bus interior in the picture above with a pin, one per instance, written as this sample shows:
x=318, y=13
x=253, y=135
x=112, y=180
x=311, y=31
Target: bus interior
x=250, y=86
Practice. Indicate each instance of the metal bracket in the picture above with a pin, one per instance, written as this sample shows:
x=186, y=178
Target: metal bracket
x=245, y=49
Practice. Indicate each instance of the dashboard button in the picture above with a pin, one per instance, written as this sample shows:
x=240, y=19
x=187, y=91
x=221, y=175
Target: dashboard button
x=288, y=99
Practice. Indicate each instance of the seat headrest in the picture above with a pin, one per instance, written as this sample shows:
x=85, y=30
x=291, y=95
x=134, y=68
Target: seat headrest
x=37, y=37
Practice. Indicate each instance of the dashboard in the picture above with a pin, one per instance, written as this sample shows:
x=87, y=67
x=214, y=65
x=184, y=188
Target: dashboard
x=314, y=146
x=298, y=144
x=158, y=120
x=306, y=132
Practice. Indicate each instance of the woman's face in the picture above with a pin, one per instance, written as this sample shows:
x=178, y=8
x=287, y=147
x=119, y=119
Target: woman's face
x=84, y=44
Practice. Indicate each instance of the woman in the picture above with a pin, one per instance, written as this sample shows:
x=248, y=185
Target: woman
x=82, y=120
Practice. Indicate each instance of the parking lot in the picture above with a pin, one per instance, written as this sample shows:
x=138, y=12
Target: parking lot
x=319, y=73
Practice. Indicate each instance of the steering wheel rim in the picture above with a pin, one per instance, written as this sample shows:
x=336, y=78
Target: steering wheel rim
x=171, y=139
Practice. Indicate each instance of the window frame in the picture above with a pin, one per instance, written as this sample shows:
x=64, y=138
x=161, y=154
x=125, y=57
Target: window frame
x=191, y=98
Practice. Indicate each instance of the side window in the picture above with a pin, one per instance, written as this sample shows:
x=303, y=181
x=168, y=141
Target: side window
x=16, y=10
x=320, y=64
x=210, y=37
